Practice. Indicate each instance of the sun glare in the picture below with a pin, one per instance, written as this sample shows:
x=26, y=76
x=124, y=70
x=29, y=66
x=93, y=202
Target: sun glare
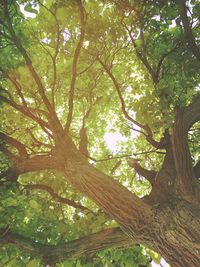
x=163, y=263
x=26, y=13
x=112, y=140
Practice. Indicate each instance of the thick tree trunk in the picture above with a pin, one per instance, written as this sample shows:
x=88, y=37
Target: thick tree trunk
x=166, y=221
x=179, y=239
x=171, y=227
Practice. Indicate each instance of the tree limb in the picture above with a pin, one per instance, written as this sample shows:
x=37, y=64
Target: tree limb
x=191, y=114
x=26, y=57
x=15, y=143
x=120, y=95
x=185, y=181
x=74, y=66
x=88, y=245
x=142, y=57
x=160, y=62
x=188, y=30
x=149, y=175
x=148, y=134
x=56, y=196
x=31, y=164
x=7, y=153
x=54, y=57
x=24, y=111
x=111, y=157
x=197, y=170
x=56, y=124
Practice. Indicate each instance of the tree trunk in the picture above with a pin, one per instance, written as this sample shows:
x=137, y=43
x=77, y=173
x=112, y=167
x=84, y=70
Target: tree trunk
x=179, y=238
x=164, y=221
x=171, y=227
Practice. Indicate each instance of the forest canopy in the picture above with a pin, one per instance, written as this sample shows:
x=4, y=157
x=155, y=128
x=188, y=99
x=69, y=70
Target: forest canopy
x=99, y=133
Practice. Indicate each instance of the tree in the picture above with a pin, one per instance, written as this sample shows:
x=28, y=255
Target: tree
x=71, y=73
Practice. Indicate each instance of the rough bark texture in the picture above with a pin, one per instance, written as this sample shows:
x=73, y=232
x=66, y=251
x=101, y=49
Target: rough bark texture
x=167, y=220
x=86, y=246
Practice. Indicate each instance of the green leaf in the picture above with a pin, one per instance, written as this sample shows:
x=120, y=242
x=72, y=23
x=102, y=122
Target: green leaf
x=29, y=8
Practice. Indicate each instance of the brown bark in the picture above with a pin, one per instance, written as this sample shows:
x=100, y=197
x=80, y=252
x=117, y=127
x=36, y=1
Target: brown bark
x=186, y=183
x=56, y=196
x=25, y=165
x=169, y=225
x=86, y=246
x=109, y=194
x=188, y=30
x=178, y=241
x=166, y=221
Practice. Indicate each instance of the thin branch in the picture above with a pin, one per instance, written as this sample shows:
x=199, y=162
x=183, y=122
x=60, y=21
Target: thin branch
x=55, y=122
x=17, y=87
x=115, y=167
x=120, y=95
x=56, y=196
x=188, y=30
x=26, y=58
x=148, y=134
x=24, y=111
x=126, y=155
x=74, y=65
x=136, y=130
x=54, y=57
x=15, y=143
x=39, y=143
x=160, y=62
x=142, y=57
x=7, y=153
x=87, y=68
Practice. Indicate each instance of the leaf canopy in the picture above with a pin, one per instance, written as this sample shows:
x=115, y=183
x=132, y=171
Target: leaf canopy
x=111, y=64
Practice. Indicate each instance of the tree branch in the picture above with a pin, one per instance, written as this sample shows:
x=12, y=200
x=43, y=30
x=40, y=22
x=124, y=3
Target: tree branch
x=120, y=95
x=56, y=196
x=31, y=164
x=149, y=175
x=24, y=111
x=56, y=124
x=160, y=62
x=74, y=66
x=111, y=157
x=148, y=134
x=15, y=143
x=7, y=153
x=54, y=57
x=142, y=57
x=88, y=245
x=185, y=181
x=197, y=170
x=26, y=57
x=188, y=31
x=191, y=114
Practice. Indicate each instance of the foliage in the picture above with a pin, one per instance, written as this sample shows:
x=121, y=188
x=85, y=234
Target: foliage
x=133, y=62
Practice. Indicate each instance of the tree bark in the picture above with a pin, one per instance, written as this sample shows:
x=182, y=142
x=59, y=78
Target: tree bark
x=170, y=224
x=86, y=246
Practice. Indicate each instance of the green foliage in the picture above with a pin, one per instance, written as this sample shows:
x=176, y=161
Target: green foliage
x=50, y=37
x=126, y=257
